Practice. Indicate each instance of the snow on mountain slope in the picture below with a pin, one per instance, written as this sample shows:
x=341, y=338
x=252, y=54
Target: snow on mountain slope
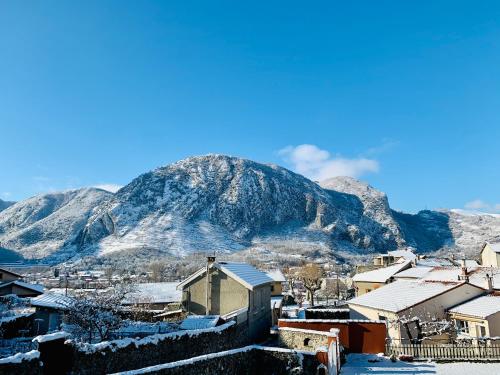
x=40, y=226
x=222, y=203
x=218, y=202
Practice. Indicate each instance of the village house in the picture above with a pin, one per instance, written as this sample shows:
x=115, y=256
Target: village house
x=367, y=281
x=233, y=291
x=479, y=318
x=7, y=275
x=278, y=281
x=21, y=289
x=490, y=255
x=406, y=301
x=154, y=296
x=49, y=311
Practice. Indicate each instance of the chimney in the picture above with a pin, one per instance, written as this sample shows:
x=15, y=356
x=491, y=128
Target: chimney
x=489, y=283
x=464, y=275
x=208, y=288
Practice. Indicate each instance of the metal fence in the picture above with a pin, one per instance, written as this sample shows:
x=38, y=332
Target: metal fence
x=456, y=352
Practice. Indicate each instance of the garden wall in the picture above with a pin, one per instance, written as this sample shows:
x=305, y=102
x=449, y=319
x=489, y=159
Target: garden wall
x=249, y=360
x=356, y=336
x=129, y=354
x=21, y=364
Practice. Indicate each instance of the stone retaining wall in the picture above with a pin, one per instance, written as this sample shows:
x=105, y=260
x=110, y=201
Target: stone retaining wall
x=303, y=339
x=21, y=364
x=129, y=354
x=249, y=360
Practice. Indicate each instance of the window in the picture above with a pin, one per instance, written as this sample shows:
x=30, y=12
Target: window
x=463, y=326
x=480, y=331
x=381, y=317
x=368, y=290
x=272, y=288
x=306, y=341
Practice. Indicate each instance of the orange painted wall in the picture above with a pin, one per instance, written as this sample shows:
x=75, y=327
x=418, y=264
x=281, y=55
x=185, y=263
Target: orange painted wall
x=356, y=337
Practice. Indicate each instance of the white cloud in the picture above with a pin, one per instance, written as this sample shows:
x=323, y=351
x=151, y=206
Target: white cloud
x=480, y=205
x=318, y=164
x=113, y=188
x=5, y=195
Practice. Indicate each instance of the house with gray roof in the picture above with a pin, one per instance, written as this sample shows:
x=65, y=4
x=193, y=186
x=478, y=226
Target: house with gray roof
x=490, y=254
x=478, y=318
x=236, y=291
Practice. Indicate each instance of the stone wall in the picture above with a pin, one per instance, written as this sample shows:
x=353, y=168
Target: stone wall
x=10, y=328
x=356, y=336
x=21, y=364
x=129, y=354
x=303, y=339
x=249, y=360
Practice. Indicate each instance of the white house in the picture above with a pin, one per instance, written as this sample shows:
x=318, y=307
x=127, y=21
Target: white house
x=479, y=317
x=490, y=254
x=407, y=301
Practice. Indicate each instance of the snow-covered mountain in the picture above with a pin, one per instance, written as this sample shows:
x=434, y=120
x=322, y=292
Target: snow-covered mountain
x=46, y=224
x=5, y=204
x=222, y=203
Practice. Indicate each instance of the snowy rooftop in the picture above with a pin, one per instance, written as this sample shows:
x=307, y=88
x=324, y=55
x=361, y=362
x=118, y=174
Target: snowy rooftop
x=406, y=254
x=435, y=262
x=35, y=287
x=402, y=294
x=200, y=322
x=154, y=293
x=477, y=275
x=413, y=273
x=480, y=307
x=381, y=275
x=495, y=246
x=56, y=301
x=244, y=273
x=276, y=275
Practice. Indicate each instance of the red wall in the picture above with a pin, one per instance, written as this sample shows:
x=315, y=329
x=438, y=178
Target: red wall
x=355, y=336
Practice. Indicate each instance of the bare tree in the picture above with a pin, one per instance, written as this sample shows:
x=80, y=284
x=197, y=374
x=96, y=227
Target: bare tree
x=97, y=312
x=423, y=326
x=311, y=276
x=157, y=270
x=290, y=276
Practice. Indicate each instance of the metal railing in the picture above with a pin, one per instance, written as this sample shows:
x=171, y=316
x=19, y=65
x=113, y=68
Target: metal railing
x=453, y=351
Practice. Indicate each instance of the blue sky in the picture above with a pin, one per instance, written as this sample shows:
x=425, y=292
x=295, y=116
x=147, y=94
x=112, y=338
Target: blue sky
x=404, y=95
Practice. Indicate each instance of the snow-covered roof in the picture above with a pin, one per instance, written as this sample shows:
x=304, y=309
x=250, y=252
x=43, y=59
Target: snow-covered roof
x=244, y=273
x=406, y=254
x=200, y=322
x=435, y=262
x=494, y=246
x=34, y=287
x=381, y=275
x=477, y=275
x=403, y=294
x=480, y=307
x=413, y=273
x=165, y=292
x=276, y=275
x=10, y=272
x=52, y=300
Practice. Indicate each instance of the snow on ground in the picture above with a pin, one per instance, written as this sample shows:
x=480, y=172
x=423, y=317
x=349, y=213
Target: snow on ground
x=361, y=364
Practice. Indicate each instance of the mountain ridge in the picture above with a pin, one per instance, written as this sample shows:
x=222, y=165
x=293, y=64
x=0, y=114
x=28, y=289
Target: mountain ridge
x=223, y=203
